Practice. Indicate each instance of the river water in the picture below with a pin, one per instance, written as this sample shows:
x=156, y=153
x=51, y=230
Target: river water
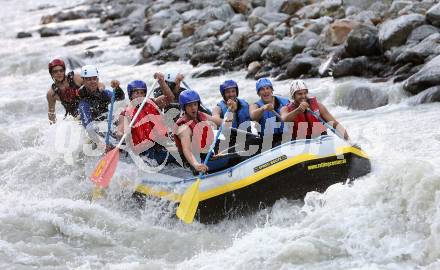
x=389, y=219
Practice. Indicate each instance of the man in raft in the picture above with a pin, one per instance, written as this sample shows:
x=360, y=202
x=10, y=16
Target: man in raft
x=64, y=89
x=193, y=132
x=305, y=124
x=93, y=104
x=266, y=111
x=149, y=131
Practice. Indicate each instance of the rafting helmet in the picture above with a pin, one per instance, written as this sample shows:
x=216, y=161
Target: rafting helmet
x=136, y=85
x=88, y=71
x=170, y=77
x=226, y=85
x=297, y=85
x=263, y=82
x=56, y=62
x=186, y=97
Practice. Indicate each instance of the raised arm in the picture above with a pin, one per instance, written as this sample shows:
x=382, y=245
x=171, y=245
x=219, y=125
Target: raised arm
x=167, y=97
x=119, y=93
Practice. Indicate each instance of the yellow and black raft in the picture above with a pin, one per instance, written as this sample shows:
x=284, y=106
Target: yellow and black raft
x=286, y=171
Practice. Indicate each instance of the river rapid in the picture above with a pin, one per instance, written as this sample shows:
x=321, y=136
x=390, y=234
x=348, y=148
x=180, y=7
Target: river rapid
x=389, y=219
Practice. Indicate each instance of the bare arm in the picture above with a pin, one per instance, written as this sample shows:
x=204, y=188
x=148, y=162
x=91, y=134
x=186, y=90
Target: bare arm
x=216, y=120
x=256, y=112
x=184, y=134
x=51, y=101
x=328, y=117
x=77, y=79
x=167, y=96
x=287, y=116
x=179, y=79
x=216, y=112
x=121, y=126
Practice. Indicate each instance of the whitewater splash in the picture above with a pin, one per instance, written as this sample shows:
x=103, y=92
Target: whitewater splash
x=389, y=219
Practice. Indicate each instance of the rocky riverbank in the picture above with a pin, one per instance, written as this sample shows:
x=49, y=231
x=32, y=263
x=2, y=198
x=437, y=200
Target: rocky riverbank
x=385, y=40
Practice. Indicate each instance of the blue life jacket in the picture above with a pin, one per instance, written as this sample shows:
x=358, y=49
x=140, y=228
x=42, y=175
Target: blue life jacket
x=279, y=103
x=240, y=116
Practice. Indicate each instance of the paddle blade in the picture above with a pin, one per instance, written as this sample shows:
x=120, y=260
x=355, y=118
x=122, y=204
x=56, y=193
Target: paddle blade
x=189, y=202
x=104, y=170
x=97, y=193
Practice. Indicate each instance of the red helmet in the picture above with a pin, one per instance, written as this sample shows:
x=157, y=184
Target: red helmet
x=56, y=62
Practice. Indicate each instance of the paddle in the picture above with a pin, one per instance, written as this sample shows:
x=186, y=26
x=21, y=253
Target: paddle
x=110, y=119
x=97, y=192
x=190, y=199
x=327, y=125
x=106, y=167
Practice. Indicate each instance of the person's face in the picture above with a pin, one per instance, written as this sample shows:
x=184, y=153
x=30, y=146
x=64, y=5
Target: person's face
x=191, y=109
x=266, y=94
x=300, y=96
x=91, y=83
x=138, y=93
x=231, y=93
x=58, y=73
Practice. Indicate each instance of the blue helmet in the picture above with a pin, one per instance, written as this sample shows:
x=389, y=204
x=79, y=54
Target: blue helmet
x=262, y=82
x=188, y=96
x=136, y=84
x=226, y=85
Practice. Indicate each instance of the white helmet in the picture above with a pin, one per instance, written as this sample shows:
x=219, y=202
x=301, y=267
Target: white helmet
x=171, y=77
x=297, y=85
x=88, y=71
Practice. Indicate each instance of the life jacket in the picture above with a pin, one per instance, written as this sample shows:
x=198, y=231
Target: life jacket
x=69, y=97
x=240, y=116
x=306, y=125
x=201, y=137
x=279, y=103
x=149, y=124
x=98, y=103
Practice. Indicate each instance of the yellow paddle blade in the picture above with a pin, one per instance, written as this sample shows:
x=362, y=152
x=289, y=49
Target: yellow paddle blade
x=189, y=202
x=97, y=193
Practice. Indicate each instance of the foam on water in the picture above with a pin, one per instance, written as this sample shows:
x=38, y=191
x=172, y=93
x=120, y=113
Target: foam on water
x=389, y=219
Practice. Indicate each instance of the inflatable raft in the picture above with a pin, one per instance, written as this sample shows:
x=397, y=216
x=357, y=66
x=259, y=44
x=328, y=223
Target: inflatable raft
x=287, y=171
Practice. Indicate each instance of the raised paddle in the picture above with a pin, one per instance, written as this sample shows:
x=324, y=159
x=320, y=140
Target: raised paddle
x=104, y=170
x=190, y=199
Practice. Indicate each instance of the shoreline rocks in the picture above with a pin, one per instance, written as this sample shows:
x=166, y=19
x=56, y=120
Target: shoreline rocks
x=279, y=38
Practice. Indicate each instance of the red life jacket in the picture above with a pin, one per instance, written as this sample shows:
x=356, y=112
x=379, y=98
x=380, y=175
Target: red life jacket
x=69, y=97
x=202, y=136
x=305, y=125
x=149, y=124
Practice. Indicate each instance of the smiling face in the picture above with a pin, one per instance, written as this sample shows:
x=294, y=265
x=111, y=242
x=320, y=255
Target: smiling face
x=300, y=96
x=57, y=73
x=191, y=109
x=266, y=94
x=138, y=93
x=91, y=83
x=231, y=93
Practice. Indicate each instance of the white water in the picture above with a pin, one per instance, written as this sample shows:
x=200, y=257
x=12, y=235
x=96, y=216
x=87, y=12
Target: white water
x=389, y=219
